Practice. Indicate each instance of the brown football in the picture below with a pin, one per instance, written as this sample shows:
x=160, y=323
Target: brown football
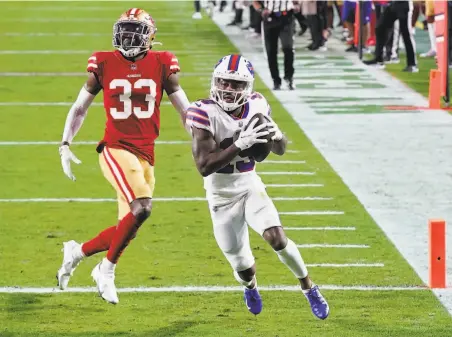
x=259, y=151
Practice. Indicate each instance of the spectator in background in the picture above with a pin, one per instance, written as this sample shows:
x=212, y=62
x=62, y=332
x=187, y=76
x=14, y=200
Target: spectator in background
x=348, y=18
x=238, y=9
x=430, y=15
x=197, y=14
x=401, y=10
x=349, y=14
x=277, y=16
x=391, y=48
x=315, y=20
x=302, y=21
x=255, y=21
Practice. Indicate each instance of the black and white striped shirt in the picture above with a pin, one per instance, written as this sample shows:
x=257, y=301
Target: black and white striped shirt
x=276, y=6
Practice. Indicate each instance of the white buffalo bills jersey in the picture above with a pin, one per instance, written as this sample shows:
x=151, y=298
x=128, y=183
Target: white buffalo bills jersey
x=239, y=175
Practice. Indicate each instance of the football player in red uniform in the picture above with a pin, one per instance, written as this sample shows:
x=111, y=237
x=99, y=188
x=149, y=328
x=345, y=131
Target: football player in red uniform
x=132, y=78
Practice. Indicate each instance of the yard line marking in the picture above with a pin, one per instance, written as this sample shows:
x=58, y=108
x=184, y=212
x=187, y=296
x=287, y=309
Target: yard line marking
x=81, y=20
x=284, y=162
x=47, y=104
x=346, y=265
x=318, y=245
x=300, y=198
x=168, y=199
x=44, y=290
x=292, y=151
x=14, y=52
x=293, y=185
x=319, y=228
x=89, y=142
x=73, y=34
x=313, y=213
x=74, y=74
x=287, y=173
x=43, y=104
x=39, y=34
x=66, y=8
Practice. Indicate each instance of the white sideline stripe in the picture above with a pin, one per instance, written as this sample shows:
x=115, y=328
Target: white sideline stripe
x=36, y=290
x=293, y=185
x=76, y=74
x=284, y=162
x=318, y=245
x=319, y=228
x=313, y=213
x=287, y=173
x=154, y=199
x=89, y=142
x=346, y=265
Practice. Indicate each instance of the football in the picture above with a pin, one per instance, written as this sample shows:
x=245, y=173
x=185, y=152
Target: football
x=259, y=151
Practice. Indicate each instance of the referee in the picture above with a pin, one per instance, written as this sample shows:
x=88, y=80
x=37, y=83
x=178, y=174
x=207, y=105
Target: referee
x=402, y=11
x=277, y=17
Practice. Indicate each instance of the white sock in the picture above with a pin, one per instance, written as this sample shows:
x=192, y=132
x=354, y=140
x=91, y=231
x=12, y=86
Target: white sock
x=107, y=266
x=431, y=34
x=291, y=257
x=77, y=253
x=243, y=282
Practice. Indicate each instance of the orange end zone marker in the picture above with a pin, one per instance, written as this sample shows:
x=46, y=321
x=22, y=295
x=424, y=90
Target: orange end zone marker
x=437, y=253
x=434, y=90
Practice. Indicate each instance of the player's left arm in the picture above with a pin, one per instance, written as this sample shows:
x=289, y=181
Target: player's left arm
x=279, y=146
x=279, y=139
x=172, y=87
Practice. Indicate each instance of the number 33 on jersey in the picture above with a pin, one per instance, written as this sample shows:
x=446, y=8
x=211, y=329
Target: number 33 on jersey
x=132, y=94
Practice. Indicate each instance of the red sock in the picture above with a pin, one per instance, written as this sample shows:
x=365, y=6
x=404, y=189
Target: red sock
x=125, y=232
x=100, y=243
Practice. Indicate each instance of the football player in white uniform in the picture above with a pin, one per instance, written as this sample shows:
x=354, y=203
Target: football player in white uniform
x=236, y=195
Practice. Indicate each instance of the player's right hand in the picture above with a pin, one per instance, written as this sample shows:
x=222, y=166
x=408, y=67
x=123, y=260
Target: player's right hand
x=66, y=157
x=250, y=135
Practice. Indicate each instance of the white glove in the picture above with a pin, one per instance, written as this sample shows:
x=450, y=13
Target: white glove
x=66, y=157
x=273, y=127
x=250, y=135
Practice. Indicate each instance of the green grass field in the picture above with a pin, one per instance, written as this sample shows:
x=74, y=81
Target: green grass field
x=417, y=81
x=176, y=246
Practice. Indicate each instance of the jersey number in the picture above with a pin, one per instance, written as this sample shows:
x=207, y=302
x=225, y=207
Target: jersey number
x=125, y=98
x=241, y=166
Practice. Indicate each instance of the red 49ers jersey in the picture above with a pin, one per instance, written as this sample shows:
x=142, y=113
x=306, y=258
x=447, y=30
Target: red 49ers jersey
x=132, y=95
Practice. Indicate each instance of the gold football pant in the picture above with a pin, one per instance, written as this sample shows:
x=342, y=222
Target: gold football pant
x=132, y=177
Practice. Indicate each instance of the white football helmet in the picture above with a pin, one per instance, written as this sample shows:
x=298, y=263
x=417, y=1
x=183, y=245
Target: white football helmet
x=232, y=82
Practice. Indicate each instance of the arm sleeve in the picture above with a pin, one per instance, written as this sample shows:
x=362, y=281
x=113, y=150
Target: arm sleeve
x=180, y=101
x=77, y=114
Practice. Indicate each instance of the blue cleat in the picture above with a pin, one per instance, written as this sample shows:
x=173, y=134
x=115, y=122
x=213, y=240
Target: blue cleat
x=319, y=306
x=253, y=300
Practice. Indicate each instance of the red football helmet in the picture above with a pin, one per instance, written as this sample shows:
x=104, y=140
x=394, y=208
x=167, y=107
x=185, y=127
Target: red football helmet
x=134, y=32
